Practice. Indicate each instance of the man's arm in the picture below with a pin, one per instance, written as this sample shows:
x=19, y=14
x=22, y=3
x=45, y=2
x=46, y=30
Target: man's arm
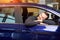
x=49, y=22
x=30, y=21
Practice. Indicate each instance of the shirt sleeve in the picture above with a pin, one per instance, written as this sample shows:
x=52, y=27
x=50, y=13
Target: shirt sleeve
x=30, y=21
x=49, y=22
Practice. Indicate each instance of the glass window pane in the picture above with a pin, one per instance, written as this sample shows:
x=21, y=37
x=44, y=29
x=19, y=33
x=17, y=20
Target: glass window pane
x=7, y=15
x=10, y=21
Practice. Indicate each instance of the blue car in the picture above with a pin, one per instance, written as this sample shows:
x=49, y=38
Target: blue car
x=13, y=28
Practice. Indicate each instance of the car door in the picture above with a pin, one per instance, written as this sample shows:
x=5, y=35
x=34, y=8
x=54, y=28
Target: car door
x=21, y=27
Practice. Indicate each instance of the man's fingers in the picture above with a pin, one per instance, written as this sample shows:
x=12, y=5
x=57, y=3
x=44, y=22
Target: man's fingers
x=38, y=21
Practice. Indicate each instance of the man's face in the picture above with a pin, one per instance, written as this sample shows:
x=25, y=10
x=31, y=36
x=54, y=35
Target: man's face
x=42, y=16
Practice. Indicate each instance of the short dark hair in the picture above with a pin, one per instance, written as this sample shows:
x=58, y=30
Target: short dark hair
x=30, y=14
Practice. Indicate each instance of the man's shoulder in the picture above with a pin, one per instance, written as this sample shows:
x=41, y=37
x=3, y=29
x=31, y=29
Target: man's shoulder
x=32, y=17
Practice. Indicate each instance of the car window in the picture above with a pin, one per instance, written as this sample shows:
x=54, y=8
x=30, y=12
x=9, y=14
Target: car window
x=7, y=15
x=51, y=19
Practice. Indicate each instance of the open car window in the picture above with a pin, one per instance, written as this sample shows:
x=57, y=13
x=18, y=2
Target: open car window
x=51, y=19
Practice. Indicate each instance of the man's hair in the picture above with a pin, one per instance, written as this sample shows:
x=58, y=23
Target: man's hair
x=30, y=14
